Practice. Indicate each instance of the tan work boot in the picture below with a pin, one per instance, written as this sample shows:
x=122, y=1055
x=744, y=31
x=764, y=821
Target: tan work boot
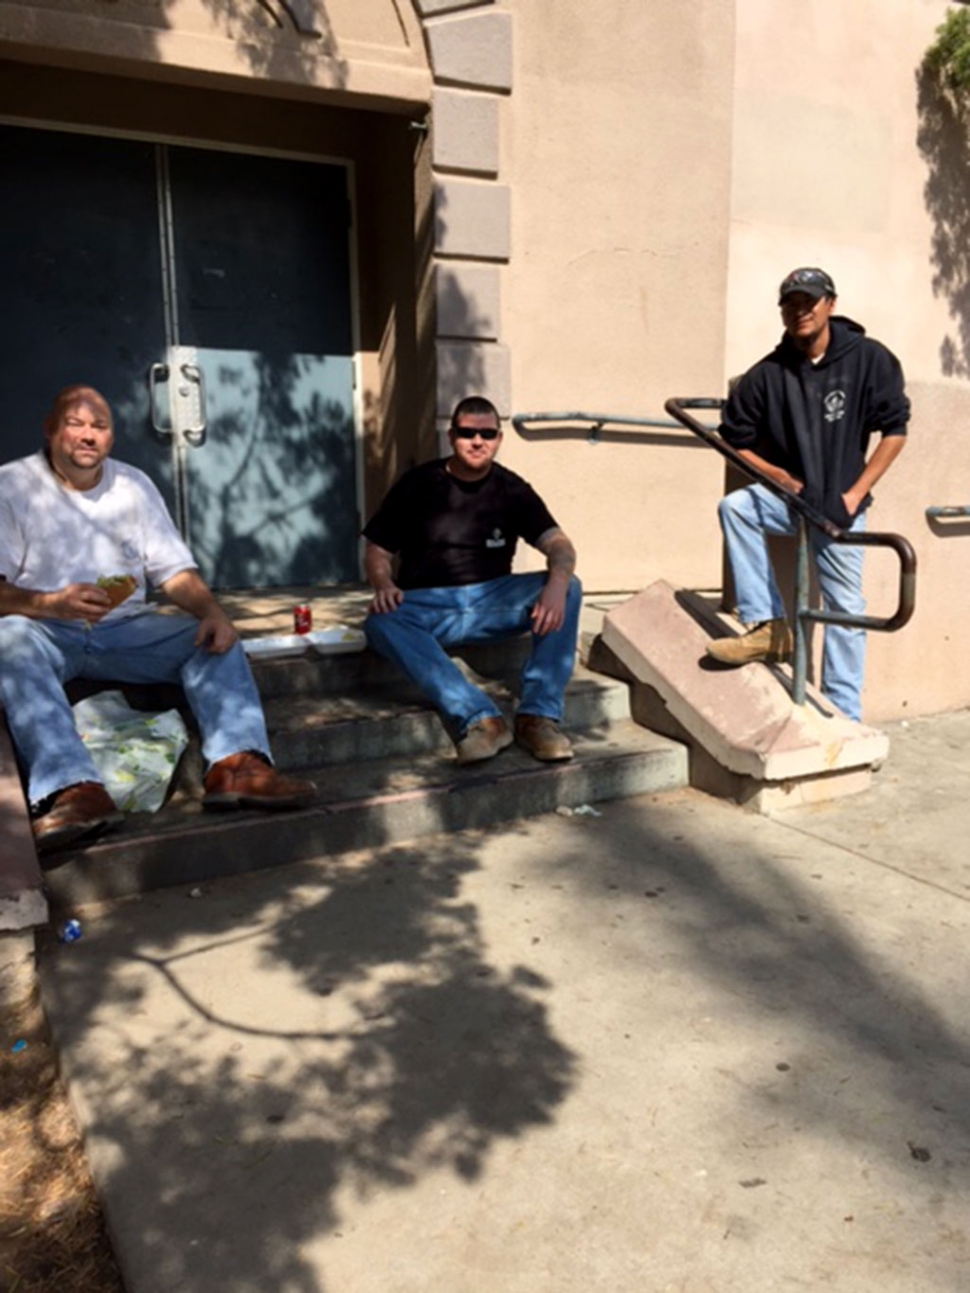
x=542, y=738
x=771, y=641
x=483, y=740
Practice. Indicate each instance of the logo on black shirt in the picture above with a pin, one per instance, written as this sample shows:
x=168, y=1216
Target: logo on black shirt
x=834, y=406
x=496, y=541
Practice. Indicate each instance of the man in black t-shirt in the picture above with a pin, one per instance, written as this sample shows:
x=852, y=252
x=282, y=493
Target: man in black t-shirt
x=454, y=523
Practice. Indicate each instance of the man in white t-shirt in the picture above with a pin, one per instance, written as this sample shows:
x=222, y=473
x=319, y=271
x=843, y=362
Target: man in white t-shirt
x=69, y=516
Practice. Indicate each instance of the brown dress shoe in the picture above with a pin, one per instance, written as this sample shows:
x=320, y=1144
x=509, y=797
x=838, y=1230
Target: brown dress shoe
x=83, y=809
x=483, y=740
x=542, y=738
x=247, y=780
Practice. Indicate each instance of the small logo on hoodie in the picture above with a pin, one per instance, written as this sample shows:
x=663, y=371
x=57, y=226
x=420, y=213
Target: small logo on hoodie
x=834, y=406
x=496, y=541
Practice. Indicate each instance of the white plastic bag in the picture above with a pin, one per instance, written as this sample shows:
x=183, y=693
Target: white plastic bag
x=136, y=753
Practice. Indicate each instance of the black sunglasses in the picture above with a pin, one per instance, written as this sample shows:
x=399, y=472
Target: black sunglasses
x=469, y=433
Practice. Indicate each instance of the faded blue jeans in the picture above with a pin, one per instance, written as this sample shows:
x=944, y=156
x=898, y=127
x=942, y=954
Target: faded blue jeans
x=747, y=516
x=416, y=633
x=38, y=656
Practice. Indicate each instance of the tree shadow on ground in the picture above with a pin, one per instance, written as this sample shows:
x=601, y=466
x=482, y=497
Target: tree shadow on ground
x=404, y=1052
x=761, y=926
x=409, y=1052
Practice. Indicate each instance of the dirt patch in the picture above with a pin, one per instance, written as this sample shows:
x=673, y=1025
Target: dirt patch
x=52, y=1233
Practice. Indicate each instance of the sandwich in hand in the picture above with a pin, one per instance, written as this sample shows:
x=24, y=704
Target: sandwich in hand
x=118, y=587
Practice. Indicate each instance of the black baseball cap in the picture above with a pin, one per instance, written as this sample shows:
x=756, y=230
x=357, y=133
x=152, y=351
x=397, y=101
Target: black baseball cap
x=813, y=282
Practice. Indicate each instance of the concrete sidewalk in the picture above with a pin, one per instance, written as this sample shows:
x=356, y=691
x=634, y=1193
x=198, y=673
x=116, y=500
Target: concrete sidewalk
x=672, y=1047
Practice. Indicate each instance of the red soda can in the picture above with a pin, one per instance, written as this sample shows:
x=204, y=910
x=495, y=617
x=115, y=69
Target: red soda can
x=302, y=619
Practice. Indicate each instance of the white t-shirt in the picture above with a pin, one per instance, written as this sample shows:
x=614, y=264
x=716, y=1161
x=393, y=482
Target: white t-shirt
x=51, y=536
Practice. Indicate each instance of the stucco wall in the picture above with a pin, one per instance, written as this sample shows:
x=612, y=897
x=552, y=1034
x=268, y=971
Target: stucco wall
x=617, y=149
x=348, y=50
x=611, y=194
x=842, y=160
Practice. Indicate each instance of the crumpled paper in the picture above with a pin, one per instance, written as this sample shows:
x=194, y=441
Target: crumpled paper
x=136, y=753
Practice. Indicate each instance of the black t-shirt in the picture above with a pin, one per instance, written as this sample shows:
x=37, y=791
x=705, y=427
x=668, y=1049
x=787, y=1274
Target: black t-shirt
x=450, y=532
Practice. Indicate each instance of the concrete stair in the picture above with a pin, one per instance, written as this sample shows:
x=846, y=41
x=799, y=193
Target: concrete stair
x=386, y=773
x=748, y=740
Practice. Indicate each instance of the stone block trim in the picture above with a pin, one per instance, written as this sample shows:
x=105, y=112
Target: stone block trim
x=472, y=219
x=468, y=366
x=469, y=46
x=468, y=299
x=473, y=50
x=430, y=7
x=466, y=134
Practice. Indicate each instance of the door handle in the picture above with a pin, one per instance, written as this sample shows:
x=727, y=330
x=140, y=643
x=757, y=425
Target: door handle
x=157, y=374
x=195, y=435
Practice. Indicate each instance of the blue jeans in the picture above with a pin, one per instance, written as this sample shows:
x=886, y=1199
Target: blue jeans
x=38, y=656
x=747, y=516
x=416, y=633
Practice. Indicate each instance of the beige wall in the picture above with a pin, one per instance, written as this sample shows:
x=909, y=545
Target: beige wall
x=668, y=164
x=608, y=197
x=361, y=51
x=618, y=146
x=827, y=170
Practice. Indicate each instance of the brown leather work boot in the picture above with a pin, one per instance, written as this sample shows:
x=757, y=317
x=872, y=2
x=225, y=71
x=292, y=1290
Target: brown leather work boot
x=542, y=738
x=770, y=641
x=248, y=780
x=483, y=740
x=83, y=809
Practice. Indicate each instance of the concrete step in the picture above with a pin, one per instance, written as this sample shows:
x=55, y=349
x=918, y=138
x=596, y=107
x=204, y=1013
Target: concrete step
x=338, y=717
x=359, y=672
x=750, y=741
x=363, y=805
x=321, y=729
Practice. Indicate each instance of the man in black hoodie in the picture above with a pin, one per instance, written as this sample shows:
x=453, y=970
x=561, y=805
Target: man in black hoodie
x=803, y=415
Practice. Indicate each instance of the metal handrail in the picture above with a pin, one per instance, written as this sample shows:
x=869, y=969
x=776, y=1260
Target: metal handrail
x=949, y=511
x=598, y=421
x=808, y=515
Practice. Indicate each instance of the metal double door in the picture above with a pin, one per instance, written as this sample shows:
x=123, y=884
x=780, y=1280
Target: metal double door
x=207, y=295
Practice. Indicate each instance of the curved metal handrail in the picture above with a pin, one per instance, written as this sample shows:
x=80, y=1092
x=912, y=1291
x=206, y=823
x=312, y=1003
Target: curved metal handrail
x=948, y=512
x=806, y=514
x=677, y=408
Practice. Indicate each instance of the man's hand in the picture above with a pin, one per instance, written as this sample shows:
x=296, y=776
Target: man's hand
x=852, y=500
x=189, y=591
x=77, y=602
x=386, y=598
x=216, y=633
x=85, y=602
x=548, y=612
x=786, y=480
x=550, y=608
x=886, y=452
x=778, y=474
x=378, y=564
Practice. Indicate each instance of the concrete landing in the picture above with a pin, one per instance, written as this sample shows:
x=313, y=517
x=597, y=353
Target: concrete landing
x=780, y=754
x=670, y=1049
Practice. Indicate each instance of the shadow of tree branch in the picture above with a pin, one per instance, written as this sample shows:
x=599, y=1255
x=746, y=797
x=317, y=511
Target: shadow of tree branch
x=943, y=138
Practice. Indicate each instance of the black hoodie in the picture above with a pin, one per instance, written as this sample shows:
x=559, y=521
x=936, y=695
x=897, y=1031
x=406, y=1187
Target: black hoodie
x=814, y=420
